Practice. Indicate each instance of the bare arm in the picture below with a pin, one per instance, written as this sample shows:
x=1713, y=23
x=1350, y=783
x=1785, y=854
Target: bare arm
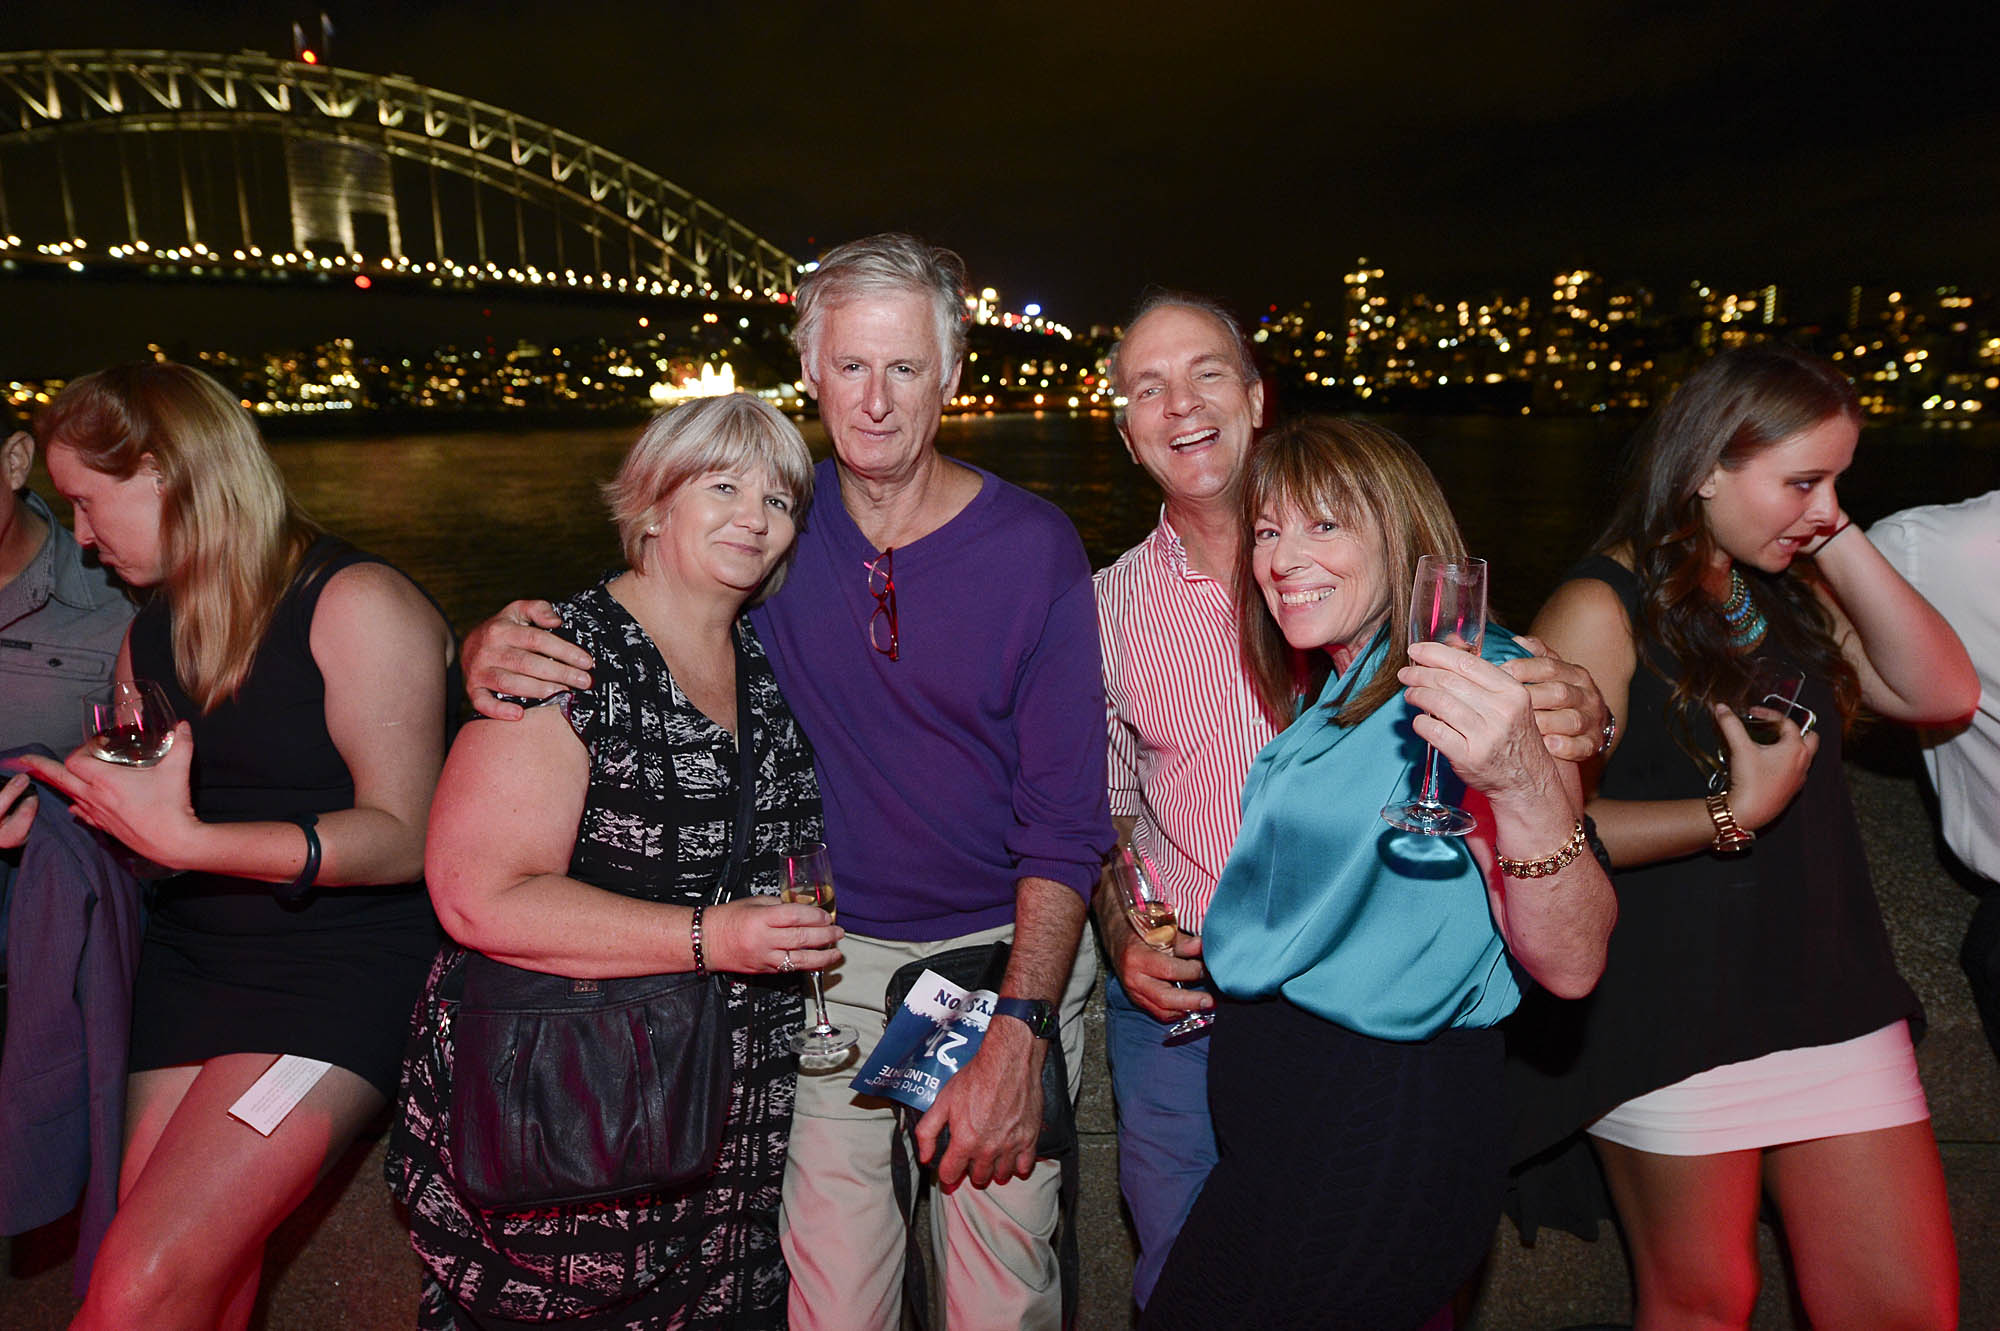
x=993, y=1104
x=502, y=830
x=1586, y=622
x=1913, y=668
x=1480, y=718
x=513, y=653
x=382, y=650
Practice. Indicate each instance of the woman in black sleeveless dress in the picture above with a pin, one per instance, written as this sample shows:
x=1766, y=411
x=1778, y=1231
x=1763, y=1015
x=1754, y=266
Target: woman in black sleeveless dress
x=584, y=841
x=313, y=685
x=1749, y=1034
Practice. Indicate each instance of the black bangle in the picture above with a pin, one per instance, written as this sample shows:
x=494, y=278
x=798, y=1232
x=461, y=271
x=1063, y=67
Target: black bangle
x=292, y=893
x=1596, y=843
x=694, y=937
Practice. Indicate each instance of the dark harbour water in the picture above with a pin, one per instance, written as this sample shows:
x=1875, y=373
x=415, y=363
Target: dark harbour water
x=482, y=518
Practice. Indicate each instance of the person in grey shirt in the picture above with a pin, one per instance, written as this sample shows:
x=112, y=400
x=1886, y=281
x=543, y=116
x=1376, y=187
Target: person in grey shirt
x=62, y=618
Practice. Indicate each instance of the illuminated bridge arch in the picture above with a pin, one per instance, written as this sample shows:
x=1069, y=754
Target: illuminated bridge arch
x=189, y=159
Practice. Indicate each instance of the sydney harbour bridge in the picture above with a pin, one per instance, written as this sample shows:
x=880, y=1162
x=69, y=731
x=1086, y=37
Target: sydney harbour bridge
x=252, y=166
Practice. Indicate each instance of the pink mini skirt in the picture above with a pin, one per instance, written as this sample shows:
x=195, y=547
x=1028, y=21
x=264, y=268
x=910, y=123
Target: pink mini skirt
x=1858, y=1085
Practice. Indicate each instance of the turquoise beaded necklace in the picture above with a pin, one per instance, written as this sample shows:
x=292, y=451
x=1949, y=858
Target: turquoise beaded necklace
x=1745, y=622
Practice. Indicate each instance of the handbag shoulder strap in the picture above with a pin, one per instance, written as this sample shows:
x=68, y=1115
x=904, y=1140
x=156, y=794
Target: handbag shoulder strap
x=738, y=863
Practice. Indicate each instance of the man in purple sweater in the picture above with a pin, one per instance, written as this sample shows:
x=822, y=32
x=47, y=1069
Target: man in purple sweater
x=937, y=639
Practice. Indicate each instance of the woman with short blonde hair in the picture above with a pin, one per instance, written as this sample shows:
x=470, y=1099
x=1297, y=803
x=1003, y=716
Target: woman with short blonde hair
x=592, y=840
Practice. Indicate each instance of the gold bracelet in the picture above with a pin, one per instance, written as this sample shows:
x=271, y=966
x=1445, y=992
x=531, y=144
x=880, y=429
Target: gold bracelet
x=1730, y=836
x=1548, y=864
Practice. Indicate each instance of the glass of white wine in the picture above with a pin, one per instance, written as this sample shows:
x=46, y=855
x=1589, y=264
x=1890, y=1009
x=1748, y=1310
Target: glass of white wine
x=1448, y=605
x=1152, y=917
x=809, y=881
x=133, y=727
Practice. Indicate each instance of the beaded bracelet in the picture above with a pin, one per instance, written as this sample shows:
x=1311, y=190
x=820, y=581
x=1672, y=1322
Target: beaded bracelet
x=1548, y=864
x=694, y=936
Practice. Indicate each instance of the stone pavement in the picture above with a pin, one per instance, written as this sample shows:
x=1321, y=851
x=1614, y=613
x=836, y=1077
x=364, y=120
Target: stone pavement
x=342, y=1263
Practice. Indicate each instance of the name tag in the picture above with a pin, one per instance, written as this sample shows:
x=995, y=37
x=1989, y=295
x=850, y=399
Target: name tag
x=277, y=1092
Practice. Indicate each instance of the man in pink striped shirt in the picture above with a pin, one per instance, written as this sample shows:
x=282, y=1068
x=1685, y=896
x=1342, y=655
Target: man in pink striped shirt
x=1184, y=724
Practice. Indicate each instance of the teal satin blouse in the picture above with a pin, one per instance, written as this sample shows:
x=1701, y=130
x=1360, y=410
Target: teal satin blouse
x=1385, y=932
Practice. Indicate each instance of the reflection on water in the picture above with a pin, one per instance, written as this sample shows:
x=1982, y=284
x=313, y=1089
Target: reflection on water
x=483, y=518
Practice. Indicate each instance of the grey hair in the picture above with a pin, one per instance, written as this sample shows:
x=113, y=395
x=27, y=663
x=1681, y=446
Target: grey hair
x=890, y=262
x=1160, y=298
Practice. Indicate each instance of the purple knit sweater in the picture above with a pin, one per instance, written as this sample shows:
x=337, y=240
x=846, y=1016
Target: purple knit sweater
x=975, y=760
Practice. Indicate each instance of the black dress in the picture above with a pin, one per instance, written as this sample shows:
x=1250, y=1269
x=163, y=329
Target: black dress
x=656, y=825
x=1716, y=958
x=226, y=968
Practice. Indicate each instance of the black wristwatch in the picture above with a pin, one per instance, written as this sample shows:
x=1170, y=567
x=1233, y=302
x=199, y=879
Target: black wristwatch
x=1038, y=1013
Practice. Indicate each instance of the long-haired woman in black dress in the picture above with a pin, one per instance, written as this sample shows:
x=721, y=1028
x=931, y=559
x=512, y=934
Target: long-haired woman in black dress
x=312, y=683
x=1750, y=1035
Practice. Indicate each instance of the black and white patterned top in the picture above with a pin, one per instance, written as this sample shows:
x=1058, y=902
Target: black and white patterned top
x=656, y=824
x=662, y=800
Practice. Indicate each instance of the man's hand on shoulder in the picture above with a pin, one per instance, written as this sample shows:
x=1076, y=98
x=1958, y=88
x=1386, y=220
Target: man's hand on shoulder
x=1569, y=711
x=513, y=653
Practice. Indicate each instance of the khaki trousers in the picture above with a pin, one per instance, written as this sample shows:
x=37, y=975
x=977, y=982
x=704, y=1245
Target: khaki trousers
x=842, y=1233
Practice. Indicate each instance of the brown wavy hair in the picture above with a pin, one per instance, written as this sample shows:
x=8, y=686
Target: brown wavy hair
x=1338, y=468
x=233, y=537
x=1726, y=413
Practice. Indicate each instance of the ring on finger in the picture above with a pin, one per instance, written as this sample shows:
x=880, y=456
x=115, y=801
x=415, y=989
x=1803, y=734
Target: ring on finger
x=786, y=964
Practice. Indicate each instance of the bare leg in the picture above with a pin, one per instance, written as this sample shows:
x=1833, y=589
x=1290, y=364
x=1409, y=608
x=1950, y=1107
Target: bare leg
x=182, y=1253
x=150, y=1101
x=1869, y=1229
x=1691, y=1221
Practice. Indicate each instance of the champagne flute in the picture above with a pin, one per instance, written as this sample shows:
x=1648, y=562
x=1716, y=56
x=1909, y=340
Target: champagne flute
x=809, y=881
x=1152, y=917
x=1448, y=606
x=133, y=727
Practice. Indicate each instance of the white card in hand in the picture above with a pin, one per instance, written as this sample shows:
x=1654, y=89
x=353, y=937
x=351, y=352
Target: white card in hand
x=273, y=1095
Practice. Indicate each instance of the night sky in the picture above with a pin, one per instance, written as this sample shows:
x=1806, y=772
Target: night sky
x=1075, y=153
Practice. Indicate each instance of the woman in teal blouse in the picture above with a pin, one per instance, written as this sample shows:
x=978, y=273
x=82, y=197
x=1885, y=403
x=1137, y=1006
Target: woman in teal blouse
x=1354, y=1076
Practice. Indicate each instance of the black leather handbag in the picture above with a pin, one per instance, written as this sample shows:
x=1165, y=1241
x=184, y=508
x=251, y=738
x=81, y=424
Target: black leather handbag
x=572, y=1090
x=568, y=1091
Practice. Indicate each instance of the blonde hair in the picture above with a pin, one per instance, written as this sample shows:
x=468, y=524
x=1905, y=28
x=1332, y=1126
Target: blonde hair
x=708, y=434
x=1339, y=468
x=231, y=535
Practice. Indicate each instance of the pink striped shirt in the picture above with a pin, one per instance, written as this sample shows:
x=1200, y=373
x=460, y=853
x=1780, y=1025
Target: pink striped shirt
x=1183, y=720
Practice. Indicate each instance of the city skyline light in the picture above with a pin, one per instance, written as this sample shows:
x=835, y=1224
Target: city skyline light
x=1075, y=157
